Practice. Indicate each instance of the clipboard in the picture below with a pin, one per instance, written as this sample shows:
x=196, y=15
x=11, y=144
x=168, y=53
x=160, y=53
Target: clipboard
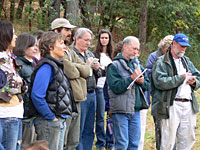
x=130, y=85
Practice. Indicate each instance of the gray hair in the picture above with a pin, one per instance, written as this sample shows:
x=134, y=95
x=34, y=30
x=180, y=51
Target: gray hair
x=166, y=41
x=127, y=40
x=80, y=32
x=48, y=41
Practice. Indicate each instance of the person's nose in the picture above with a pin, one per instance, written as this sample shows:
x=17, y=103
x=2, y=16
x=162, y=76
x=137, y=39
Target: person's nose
x=88, y=43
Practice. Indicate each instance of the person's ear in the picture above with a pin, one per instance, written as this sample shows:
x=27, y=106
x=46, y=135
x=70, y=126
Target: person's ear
x=51, y=48
x=124, y=46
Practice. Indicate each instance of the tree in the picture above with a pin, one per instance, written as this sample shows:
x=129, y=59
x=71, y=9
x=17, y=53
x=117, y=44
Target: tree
x=20, y=9
x=143, y=23
x=56, y=6
x=12, y=10
x=72, y=11
x=1, y=6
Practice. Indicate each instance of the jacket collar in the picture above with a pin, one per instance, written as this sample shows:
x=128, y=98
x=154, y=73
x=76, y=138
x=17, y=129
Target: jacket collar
x=159, y=53
x=24, y=60
x=58, y=62
x=167, y=56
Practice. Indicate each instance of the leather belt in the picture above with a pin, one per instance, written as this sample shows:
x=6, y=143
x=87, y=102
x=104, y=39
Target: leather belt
x=182, y=99
x=90, y=90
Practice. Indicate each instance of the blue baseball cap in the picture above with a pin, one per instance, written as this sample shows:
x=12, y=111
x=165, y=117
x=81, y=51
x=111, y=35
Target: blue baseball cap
x=182, y=39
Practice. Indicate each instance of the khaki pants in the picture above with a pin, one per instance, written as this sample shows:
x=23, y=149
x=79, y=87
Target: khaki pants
x=72, y=133
x=143, y=116
x=180, y=125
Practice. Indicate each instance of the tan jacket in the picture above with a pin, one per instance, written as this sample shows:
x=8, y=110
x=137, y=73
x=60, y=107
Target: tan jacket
x=77, y=71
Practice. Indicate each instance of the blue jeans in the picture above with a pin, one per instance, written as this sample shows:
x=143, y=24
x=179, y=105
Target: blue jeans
x=1, y=132
x=126, y=131
x=88, y=109
x=51, y=131
x=11, y=133
x=100, y=113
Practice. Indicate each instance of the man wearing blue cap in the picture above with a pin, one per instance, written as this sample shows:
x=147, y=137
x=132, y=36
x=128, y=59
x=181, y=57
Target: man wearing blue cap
x=174, y=80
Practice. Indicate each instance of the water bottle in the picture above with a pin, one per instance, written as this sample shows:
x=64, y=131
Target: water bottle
x=109, y=123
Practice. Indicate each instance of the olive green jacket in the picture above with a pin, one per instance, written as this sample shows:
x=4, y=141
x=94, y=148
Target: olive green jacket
x=77, y=71
x=165, y=82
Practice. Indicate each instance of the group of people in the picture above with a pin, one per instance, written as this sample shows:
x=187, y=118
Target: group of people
x=54, y=89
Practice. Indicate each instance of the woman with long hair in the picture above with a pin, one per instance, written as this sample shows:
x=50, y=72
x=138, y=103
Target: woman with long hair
x=11, y=102
x=104, y=53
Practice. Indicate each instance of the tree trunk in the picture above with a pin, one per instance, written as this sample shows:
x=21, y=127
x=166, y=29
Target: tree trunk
x=12, y=10
x=72, y=11
x=56, y=6
x=1, y=6
x=143, y=24
x=41, y=3
x=85, y=13
x=20, y=9
x=30, y=21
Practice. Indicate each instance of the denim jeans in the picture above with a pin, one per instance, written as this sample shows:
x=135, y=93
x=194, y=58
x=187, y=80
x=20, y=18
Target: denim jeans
x=51, y=131
x=100, y=114
x=127, y=131
x=1, y=132
x=88, y=109
x=11, y=133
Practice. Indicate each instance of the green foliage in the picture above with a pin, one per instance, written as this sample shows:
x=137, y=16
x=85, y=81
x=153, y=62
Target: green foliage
x=171, y=17
x=37, y=17
x=122, y=17
x=163, y=18
x=42, y=15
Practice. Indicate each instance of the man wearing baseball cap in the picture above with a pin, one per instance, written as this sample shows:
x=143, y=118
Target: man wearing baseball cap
x=182, y=39
x=63, y=26
x=174, y=79
x=77, y=71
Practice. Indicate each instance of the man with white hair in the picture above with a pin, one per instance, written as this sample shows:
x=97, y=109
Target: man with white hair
x=125, y=103
x=83, y=38
x=174, y=79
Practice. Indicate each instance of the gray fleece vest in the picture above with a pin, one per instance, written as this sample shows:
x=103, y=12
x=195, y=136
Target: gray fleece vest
x=124, y=102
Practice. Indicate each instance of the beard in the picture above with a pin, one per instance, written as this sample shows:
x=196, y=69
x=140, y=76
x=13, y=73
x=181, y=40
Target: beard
x=129, y=56
x=67, y=40
x=178, y=53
